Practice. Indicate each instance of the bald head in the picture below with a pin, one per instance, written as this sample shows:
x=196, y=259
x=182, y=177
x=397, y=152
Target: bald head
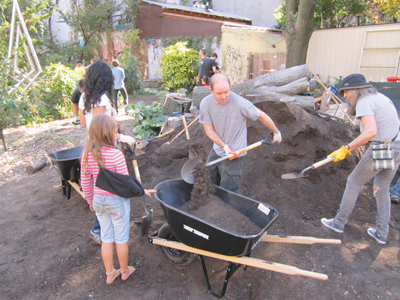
x=217, y=78
x=220, y=87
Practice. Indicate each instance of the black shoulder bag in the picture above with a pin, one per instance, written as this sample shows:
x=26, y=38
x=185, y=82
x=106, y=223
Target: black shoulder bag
x=125, y=186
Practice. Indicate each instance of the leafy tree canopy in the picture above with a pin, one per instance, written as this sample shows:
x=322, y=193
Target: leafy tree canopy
x=343, y=13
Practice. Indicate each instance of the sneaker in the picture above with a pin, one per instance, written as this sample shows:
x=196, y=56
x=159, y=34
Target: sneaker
x=95, y=236
x=328, y=223
x=372, y=233
x=394, y=199
x=76, y=121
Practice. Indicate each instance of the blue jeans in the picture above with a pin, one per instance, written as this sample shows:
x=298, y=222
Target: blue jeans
x=395, y=190
x=96, y=225
x=227, y=174
x=113, y=213
x=382, y=179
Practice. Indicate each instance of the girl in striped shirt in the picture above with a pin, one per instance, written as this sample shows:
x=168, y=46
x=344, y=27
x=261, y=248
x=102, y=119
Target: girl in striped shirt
x=111, y=210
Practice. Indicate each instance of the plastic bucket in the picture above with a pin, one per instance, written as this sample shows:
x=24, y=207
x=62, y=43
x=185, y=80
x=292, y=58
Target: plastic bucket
x=393, y=79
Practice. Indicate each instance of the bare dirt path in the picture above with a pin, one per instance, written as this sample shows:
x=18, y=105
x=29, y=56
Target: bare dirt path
x=45, y=251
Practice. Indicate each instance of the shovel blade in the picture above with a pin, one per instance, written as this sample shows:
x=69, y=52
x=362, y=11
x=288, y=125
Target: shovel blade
x=146, y=222
x=187, y=173
x=291, y=176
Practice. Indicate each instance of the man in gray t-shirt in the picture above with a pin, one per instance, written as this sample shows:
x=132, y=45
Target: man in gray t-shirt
x=224, y=115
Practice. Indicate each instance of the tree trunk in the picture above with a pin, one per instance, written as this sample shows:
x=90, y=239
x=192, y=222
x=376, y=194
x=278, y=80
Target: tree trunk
x=53, y=44
x=271, y=86
x=3, y=139
x=298, y=30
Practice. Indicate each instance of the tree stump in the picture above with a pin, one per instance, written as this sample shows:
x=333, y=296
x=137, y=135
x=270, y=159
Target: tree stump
x=171, y=103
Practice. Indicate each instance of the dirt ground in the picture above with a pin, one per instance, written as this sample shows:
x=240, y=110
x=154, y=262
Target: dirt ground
x=46, y=253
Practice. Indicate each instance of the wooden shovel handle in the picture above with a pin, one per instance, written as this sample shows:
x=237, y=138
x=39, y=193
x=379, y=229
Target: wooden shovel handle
x=185, y=126
x=323, y=162
x=252, y=146
x=182, y=131
x=136, y=169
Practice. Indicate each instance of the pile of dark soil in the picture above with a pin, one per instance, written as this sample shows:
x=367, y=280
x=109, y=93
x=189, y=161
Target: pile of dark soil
x=203, y=188
x=205, y=205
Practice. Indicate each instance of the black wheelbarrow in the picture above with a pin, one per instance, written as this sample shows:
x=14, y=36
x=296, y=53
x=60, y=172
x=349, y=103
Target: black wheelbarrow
x=185, y=236
x=67, y=164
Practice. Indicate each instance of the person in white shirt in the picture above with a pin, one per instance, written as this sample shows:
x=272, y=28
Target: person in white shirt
x=94, y=101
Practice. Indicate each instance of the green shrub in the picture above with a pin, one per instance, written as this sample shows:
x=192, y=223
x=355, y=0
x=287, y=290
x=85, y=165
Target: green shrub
x=178, y=67
x=148, y=118
x=50, y=96
x=132, y=75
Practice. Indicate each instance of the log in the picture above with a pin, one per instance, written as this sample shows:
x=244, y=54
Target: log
x=39, y=164
x=272, y=86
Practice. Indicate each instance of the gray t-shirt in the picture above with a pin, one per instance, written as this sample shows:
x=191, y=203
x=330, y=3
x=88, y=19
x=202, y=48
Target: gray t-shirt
x=228, y=120
x=119, y=76
x=385, y=113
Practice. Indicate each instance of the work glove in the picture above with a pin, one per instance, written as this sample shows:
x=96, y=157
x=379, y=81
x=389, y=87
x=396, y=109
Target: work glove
x=232, y=154
x=340, y=154
x=277, y=137
x=127, y=139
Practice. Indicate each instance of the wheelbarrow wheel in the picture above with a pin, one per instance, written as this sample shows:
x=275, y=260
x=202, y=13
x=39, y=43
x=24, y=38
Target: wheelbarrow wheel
x=175, y=256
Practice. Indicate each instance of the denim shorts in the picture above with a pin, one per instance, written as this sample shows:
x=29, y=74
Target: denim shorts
x=113, y=214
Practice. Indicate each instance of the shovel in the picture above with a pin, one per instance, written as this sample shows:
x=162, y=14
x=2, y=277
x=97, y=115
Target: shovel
x=146, y=220
x=188, y=172
x=181, y=114
x=143, y=144
x=312, y=167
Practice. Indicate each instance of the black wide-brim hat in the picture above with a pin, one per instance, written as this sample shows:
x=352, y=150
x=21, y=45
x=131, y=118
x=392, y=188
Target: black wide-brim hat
x=353, y=81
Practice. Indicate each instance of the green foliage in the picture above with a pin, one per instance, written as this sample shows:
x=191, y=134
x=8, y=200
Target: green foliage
x=132, y=75
x=280, y=16
x=178, y=67
x=148, y=118
x=89, y=18
x=159, y=94
x=330, y=13
x=50, y=99
x=381, y=11
x=193, y=42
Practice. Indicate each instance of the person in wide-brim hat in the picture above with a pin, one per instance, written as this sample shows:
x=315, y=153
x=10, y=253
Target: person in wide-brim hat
x=379, y=124
x=353, y=81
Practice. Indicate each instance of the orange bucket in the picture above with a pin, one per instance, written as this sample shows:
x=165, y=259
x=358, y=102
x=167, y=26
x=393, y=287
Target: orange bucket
x=393, y=79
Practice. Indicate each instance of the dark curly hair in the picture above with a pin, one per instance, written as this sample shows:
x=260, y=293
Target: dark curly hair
x=99, y=81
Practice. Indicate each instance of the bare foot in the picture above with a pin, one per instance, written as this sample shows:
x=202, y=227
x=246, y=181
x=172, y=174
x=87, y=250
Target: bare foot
x=125, y=274
x=111, y=277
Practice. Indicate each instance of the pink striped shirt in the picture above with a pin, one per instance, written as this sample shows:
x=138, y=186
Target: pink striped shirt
x=114, y=161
